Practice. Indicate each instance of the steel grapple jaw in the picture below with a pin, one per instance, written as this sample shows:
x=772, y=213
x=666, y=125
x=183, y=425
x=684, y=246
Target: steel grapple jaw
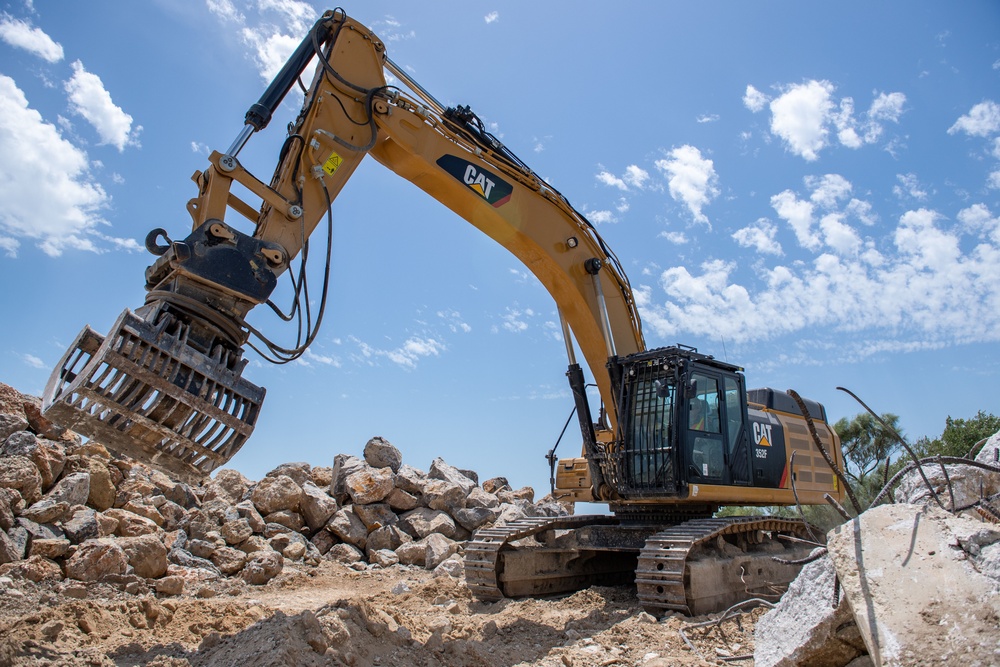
x=144, y=391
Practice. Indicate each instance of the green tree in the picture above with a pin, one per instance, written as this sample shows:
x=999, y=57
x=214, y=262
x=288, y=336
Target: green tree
x=959, y=436
x=868, y=449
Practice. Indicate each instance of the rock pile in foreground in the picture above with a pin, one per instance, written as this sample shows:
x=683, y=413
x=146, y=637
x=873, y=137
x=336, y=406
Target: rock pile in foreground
x=902, y=584
x=73, y=511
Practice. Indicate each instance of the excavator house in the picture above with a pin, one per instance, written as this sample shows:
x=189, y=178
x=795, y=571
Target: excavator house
x=677, y=435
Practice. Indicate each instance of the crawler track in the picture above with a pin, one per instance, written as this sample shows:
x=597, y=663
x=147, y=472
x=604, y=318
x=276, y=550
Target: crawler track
x=482, y=554
x=664, y=580
x=695, y=567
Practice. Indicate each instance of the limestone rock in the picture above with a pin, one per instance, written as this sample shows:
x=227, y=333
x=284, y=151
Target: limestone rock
x=9, y=551
x=234, y=532
x=227, y=485
x=229, y=560
x=317, y=505
x=402, y=501
x=480, y=498
x=170, y=585
x=299, y=472
x=345, y=553
x=906, y=574
x=102, y=492
x=146, y=554
x=380, y=453
x=10, y=424
x=9, y=501
x=273, y=494
x=473, y=518
x=449, y=473
x=261, y=567
x=49, y=548
x=82, y=526
x=131, y=524
x=383, y=557
x=344, y=465
x=287, y=518
x=423, y=521
x=189, y=561
x=96, y=558
x=376, y=515
x=386, y=537
x=323, y=540
x=496, y=485
x=46, y=510
x=410, y=479
x=346, y=525
x=369, y=485
x=247, y=511
x=19, y=473
x=444, y=495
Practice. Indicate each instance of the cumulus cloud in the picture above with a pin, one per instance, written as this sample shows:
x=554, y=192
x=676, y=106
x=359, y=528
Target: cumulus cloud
x=89, y=99
x=691, y=179
x=272, y=33
x=823, y=218
x=922, y=290
x=492, y=17
x=803, y=116
x=981, y=121
x=634, y=177
x=21, y=35
x=754, y=100
x=407, y=356
x=55, y=203
x=760, y=236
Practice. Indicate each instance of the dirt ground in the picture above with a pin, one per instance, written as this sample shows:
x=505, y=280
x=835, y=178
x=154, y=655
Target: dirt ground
x=333, y=615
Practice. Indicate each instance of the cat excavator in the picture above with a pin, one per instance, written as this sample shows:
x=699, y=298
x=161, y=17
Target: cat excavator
x=677, y=435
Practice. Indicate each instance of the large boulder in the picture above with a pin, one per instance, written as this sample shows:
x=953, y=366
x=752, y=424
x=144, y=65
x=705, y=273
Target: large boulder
x=228, y=485
x=20, y=473
x=317, y=506
x=273, y=494
x=95, y=559
x=346, y=525
x=262, y=566
x=380, y=453
x=423, y=521
x=808, y=626
x=444, y=495
x=102, y=492
x=344, y=465
x=146, y=554
x=369, y=485
x=449, y=473
x=908, y=572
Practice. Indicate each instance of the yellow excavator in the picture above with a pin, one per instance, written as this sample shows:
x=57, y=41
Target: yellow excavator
x=677, y=434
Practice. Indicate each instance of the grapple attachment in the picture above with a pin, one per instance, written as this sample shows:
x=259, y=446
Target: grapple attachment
x=144, y=392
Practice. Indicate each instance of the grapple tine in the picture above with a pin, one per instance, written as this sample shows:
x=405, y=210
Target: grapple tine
x=145, y=393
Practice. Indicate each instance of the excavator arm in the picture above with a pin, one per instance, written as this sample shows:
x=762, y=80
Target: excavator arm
x=166, y=383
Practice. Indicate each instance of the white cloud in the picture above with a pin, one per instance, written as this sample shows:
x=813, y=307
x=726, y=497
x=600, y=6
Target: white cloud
x=981, y=121
x=799, y=117
x=33, y=361
x=924, y=290
x=55, y=203
x=634, y=177
x=909, y=187
x=90, y=100
x=993, y=180
x=225, y=10
x=408, y=355
x=21, y=35
x=607, y=178
x=273, y=32
x=677, y=238
x=707, y=118
x=601, y=217
x=803, y=115
x=492, y=17
x=760, y=236
x=799, y=215
x=691, y=178
x=754, y=100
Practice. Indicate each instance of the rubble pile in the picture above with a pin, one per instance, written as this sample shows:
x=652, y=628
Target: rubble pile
x=72, y=511
x=911, y=583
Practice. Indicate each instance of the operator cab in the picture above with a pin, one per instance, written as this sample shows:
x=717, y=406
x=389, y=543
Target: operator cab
x=683, y=421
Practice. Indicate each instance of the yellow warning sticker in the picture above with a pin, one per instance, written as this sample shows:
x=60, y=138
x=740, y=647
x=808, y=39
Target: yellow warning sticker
x=332, y=163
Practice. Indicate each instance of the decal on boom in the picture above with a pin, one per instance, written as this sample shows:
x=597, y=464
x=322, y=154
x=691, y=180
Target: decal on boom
x=489, y=186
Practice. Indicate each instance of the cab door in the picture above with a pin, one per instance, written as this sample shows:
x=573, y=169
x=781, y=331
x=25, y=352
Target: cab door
x=716, y=438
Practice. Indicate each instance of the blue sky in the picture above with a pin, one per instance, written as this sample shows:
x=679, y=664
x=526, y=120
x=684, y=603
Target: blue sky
x=811, y=191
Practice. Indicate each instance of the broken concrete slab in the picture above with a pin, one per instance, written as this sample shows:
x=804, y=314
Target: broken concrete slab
x=915, y=593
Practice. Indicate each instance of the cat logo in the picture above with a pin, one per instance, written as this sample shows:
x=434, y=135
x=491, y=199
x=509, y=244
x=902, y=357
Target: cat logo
x=488, y=186
x=762, y=434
